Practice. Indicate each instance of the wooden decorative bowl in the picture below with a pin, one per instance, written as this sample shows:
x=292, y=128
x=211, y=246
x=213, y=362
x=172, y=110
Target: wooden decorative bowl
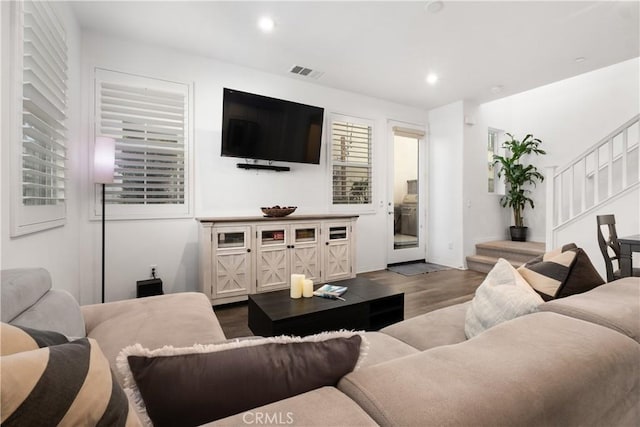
x=278, y=212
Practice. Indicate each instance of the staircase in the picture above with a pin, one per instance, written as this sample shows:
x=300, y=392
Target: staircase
x=517, y=253
x=603, y=173
x=606, y=171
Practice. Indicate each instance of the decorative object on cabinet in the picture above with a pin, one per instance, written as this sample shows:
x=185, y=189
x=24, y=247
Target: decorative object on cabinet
x=278, y=212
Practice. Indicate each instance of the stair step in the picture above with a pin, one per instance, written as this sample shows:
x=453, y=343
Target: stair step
x=514, y=251
x=484, y=264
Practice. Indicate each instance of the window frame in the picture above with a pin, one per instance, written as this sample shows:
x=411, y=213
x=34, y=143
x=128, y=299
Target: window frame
x=356, y=208
x=498, y=184
x=27, y=219
x=135, y=211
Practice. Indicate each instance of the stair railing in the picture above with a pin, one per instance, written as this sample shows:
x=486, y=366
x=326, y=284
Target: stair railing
x=602, y=173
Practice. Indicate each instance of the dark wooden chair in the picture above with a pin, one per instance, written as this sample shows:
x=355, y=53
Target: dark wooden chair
x=609, y=243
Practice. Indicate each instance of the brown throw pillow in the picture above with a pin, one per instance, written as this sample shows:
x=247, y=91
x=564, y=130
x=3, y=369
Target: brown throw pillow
x=583, y=276
x=562, y=272
x=196, y=385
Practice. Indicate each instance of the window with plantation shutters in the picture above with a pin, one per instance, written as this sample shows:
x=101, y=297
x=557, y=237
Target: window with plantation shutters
x=39, y=201
x=149, y=121
x=351, y=161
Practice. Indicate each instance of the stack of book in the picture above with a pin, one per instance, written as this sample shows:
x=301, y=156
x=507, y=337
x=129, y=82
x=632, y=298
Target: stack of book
x=331, y=291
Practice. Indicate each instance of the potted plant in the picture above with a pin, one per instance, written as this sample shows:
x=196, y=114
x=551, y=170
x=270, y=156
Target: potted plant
x=517, y=176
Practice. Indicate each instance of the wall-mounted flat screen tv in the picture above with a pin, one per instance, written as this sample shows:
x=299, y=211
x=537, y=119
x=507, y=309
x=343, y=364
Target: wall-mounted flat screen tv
x=259, y=127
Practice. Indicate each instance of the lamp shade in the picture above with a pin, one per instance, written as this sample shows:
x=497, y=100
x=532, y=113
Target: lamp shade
x=104, y=154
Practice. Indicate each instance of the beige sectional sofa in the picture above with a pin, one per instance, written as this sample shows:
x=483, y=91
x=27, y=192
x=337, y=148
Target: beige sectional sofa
x=575, y=362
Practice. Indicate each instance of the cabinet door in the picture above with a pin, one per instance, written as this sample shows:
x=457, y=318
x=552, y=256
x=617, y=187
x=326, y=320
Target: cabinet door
x=305, y=253
x=232, y=267
x=337, y=254
x=272, y=265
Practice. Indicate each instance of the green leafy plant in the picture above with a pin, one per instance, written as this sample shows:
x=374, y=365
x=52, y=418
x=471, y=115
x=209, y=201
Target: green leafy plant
x=360, y=191
x=518, y=175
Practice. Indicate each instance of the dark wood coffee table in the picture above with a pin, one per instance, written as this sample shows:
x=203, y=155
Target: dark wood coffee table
x=368, y=306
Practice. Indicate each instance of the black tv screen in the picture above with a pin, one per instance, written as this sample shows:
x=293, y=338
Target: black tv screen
x=259, y=127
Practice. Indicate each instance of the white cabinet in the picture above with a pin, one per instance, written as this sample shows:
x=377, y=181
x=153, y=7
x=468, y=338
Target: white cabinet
x=241, y=256
x=339, y=250
x=231, y=262
x=282, y=249
x=306, y=251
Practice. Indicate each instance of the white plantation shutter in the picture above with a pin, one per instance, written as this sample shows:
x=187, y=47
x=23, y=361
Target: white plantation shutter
x=351, y=161
x=41, y=179
x=148, y=118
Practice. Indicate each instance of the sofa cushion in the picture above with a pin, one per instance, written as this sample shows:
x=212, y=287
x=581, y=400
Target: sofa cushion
x=251, y=373
x=67, y=384
x=614, y=305
x=14, y=339
x=180, y=320
x=504, y=295
x=541, y=369
x=383, y=347
x=56, y=311
x=326, y=406
x=28, y=300
x=440, y=327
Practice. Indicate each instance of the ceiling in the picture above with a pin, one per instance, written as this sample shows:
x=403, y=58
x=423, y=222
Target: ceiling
x=480, y=50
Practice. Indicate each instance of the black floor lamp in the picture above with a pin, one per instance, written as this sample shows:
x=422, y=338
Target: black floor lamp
x=103, y=165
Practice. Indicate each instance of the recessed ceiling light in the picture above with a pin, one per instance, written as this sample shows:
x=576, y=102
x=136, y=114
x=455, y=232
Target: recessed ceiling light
x=432, y=78
x=580, y=59
x=434, y=6
x=266, y=24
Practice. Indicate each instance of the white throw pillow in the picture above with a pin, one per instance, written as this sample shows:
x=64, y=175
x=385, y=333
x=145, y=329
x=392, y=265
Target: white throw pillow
x=504, y=295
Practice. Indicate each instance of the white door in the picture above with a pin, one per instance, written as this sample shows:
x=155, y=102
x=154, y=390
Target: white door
x=406, y=206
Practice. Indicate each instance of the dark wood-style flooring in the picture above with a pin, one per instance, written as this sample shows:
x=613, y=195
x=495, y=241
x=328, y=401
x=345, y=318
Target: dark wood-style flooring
x=422, y=293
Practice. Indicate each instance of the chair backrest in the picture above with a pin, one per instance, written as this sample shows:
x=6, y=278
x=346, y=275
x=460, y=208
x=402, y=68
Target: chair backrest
x=606, y=242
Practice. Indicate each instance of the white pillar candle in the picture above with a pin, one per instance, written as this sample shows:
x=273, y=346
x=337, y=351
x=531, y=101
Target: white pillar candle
x=296, y=285
x=307, y=288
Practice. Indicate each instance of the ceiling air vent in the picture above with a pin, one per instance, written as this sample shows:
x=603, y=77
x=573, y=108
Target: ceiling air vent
x=305, y=72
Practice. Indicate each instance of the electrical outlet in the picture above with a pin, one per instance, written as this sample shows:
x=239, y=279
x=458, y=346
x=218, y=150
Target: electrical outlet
x=153, y=270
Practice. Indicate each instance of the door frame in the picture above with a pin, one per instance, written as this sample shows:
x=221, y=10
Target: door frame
x=407, y=254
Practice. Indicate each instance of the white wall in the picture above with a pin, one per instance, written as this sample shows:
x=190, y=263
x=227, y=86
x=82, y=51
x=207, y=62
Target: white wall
x=445, y=216
x=569, y=116
x=57, y=249
x=584, y=233
x=484, y=217
x=220, y=188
